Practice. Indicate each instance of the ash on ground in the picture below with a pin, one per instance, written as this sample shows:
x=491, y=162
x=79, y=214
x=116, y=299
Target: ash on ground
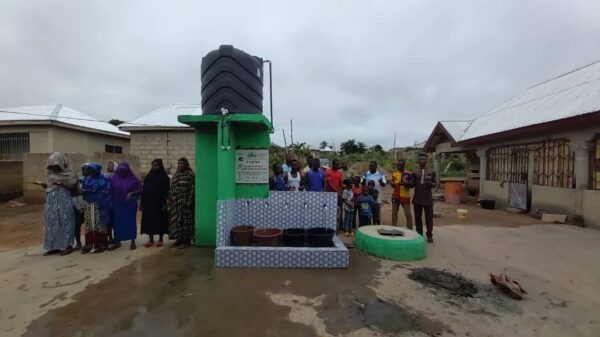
x=456, y=284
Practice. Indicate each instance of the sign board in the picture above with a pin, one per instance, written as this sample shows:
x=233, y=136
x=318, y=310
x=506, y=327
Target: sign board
x=252, y=166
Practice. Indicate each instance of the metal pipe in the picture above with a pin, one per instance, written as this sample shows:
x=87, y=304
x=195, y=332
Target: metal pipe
x=270, y=89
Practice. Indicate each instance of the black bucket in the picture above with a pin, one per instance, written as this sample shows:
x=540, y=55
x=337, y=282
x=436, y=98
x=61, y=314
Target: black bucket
x=487, y=204
x=294, y=237
x=320, y=237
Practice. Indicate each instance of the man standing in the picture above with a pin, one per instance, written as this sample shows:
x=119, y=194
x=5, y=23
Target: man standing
x=424, y=180
x=309, y=162
x=287, y=166
x=346, y=171
x=333, y=177
x=315, y=178
x=401, y=182
x=380, y=182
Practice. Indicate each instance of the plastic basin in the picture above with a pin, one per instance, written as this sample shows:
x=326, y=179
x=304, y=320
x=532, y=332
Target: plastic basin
x=487, y=204
x=320, y=237
x=241, y=235
x=294, y=237
x=268, y=237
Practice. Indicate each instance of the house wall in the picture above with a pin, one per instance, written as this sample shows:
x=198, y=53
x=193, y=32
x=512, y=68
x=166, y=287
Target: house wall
x=75, y=141
x=168, y=145
x=590, y=208
x=554, y=199
x=34, y=168
x=11, y=179
x=39, y=137
x=47, y=139
x=494, y=190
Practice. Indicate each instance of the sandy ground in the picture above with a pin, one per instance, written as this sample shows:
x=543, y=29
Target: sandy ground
x=157, y=292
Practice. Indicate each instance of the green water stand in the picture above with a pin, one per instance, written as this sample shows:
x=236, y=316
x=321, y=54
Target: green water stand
x=217, y=139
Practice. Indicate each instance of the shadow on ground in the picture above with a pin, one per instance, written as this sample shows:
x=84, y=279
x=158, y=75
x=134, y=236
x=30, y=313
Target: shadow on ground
x=180, y=293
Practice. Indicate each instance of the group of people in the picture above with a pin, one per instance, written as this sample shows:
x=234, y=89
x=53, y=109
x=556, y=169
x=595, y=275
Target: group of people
x=106, y=204
x=360, y=196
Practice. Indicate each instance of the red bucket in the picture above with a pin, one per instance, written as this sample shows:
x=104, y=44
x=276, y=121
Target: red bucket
x=268, y=237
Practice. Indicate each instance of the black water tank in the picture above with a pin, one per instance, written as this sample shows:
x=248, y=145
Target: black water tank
x=231, y=79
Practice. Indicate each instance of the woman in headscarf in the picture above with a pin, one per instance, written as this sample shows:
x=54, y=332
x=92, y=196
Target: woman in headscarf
x=96, y=191
x=79, y=206
x=153, y=204
x=125, y=189
x=59, y=214
x=180, y=205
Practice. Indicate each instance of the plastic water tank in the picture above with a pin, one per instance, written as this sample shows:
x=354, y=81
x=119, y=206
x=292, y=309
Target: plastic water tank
x=231, y=79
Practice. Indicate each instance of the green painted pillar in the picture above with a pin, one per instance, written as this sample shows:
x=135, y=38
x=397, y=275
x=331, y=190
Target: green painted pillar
x=218, y=139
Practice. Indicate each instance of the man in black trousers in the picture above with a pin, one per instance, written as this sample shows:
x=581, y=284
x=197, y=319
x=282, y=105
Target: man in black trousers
x=424, y=180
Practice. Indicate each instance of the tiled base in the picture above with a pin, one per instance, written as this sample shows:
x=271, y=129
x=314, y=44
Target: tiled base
x=283, y=257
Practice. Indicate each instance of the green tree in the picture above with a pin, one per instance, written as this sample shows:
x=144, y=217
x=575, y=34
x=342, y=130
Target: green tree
x=376, y=148
x=323, y=144
x=349, y=146
x=361, y=147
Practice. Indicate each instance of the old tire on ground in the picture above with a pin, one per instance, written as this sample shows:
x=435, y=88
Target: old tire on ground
x=410, y=247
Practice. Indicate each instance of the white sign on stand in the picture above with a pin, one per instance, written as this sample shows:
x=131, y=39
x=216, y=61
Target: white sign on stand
x=252, y=166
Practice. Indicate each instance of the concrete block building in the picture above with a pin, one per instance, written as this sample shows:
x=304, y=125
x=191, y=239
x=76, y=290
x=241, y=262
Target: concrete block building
x=29, y=134
x=539, y=150
x=158, y=134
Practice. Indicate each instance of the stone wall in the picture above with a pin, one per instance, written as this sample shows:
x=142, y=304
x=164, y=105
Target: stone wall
x=168, y=145
x=34, y=168
x=11, y=179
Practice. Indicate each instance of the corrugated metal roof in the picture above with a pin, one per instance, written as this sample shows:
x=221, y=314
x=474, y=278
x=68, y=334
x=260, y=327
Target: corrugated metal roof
x=165, y=117
x=58, y=113
x=455, y=128
x=568, y=95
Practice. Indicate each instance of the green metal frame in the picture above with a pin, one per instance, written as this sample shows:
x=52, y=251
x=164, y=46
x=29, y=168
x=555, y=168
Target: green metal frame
x=217, y=139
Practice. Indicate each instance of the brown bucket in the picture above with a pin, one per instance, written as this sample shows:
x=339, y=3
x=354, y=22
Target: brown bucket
x=241, y=235
x=268, y=237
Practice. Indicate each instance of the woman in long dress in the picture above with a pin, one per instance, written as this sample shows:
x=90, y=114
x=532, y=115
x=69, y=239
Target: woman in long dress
x=96, y=190
x=154, y=204
x=125, y=190
x=180, y=205
x=59, y=214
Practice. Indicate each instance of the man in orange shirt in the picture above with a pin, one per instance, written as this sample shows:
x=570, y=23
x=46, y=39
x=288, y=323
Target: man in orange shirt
x=401, y=181
x=334, y=177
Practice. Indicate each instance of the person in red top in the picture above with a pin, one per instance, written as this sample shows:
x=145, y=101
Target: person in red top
x=357, y=190
x=334, y=178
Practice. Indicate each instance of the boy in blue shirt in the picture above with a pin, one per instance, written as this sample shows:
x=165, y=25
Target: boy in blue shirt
x=365, y=204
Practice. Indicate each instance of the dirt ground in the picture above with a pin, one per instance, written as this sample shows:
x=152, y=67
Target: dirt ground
x=157, y=292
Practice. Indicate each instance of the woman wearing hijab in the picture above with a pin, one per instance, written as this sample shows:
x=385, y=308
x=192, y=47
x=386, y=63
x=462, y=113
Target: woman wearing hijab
x=180, y=204
x=125, y=189
x=96, y=190
x=154, y=203
x=59, y=214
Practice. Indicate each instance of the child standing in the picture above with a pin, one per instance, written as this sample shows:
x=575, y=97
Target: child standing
x=348, y=206
x=357, y=189
x=276, y=182
x=375, y=194
x=365, y=212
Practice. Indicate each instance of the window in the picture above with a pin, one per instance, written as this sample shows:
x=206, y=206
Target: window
x=595, y=164
x=14, y=143
x=113, y=149
x=554, y=164
x=508, y=163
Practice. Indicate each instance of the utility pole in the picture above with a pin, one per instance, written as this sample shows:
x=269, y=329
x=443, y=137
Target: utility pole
x=394, y=148
x=284, y=140
x=292, y=131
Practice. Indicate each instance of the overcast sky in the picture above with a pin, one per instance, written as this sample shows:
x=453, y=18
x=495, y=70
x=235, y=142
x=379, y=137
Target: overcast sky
x=342, y=69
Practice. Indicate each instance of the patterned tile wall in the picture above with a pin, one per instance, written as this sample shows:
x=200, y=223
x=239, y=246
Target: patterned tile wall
x=281, y=210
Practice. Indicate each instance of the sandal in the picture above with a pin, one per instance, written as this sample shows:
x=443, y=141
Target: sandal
x=66, y=251
x=132, y=246
x=98, y=250
x=51, y=252
x=159, y=244
x=149, y=244
x=114, y=246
